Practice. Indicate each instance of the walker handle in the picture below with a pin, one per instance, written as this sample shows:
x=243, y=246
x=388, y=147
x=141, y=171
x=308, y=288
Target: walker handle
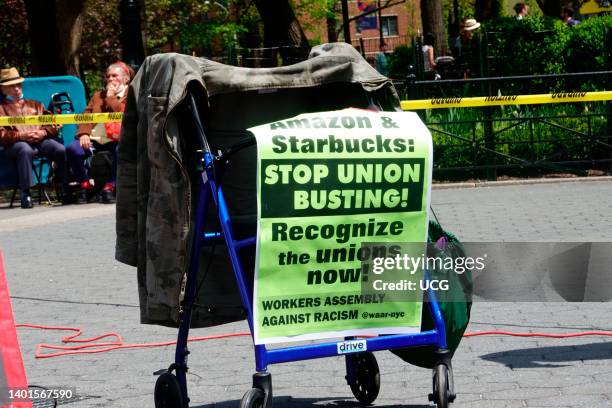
x=193, y=107
x=235, y=148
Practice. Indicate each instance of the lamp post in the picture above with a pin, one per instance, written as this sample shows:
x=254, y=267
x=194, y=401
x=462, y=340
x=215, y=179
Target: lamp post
x=232, y=57
x=345, y=22
x=218, y=3
x=381, y=38
x=131, y=35
x=361, y=43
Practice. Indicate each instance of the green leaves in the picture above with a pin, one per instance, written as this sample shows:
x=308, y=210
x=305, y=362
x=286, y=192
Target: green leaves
x=543, y=45
x=14, y=47
x=196, y=27
x=586, y=45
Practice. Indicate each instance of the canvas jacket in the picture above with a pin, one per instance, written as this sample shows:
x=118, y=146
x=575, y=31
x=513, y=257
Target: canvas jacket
x=155, y=197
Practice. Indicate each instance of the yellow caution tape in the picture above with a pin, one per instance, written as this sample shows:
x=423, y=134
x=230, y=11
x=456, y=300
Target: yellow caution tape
x=563, y=97
x=65, y=119
x=435, y=103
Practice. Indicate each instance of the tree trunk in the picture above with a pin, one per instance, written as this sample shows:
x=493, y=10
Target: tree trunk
x=70, y=15
x=55, y=29
x=282, y=29
x=46, y=53
x=433, y=22
x=131, y=38
x=143, y=20
x=332, y=23
x=331, y=29
x=381, y=38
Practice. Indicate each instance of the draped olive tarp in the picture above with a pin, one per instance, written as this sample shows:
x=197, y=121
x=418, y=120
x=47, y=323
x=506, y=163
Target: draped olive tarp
x=157, y=182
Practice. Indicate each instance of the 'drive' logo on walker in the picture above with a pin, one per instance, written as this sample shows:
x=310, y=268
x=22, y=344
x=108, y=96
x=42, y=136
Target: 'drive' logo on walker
x=354, y=346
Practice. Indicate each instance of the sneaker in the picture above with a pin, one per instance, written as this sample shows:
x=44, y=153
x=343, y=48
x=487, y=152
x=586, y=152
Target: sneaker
x=26, y=201
x=110, y=187
x=86, y=185
x=108, y=193
x=84, y=193
x=81, y=198
x=67, y=194
x=108, y=197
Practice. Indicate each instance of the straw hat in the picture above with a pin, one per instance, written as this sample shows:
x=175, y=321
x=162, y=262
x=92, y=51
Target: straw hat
x=471, y=24
x=10, y=76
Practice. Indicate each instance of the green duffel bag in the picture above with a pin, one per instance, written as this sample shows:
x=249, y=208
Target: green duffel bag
x=455, y=303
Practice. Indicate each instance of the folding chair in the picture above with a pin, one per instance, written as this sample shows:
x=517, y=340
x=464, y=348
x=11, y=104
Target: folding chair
x=38, y=164
x=61, y=103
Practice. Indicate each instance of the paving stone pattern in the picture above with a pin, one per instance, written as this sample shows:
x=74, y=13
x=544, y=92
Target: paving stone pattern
x=61, y=272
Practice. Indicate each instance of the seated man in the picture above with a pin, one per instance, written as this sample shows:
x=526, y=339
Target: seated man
x=465, y=48
x=22, y=142
x=111, y=99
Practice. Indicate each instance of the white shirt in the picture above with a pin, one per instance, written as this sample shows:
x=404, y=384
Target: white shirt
x=426, y=65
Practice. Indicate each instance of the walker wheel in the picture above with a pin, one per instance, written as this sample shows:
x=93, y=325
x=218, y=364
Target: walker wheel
x=168, y=392
x=253, y=398
x=440, y=386
x=366, y=377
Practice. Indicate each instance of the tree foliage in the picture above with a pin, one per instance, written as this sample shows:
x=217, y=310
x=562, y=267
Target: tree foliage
x=192, y=26
x=544, y=45
x=465, y=9
x=534, y=45
x=401, y=62
x=186, y=26
x=15, y=49
x=311, y=13
x=586, y=47
x=189, y=26
x=100, y=45
x=212, y=28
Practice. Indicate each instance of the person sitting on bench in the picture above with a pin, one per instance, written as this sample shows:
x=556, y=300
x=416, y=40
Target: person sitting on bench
x=22, y=142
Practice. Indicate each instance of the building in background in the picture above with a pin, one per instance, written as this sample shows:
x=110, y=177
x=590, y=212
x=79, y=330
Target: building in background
x=398, y=24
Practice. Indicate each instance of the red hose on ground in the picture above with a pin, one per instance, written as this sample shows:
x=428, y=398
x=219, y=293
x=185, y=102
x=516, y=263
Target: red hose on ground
x=549, y=335
x=119, y=344
x=105, y=346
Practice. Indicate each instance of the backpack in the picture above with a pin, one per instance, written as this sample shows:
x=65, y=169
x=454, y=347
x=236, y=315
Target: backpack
x=455, y=304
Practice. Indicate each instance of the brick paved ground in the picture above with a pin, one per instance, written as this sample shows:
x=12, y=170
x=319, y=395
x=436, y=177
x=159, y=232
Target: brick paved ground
x=61, y=271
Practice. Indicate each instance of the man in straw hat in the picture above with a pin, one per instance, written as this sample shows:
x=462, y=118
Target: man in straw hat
x=463, y=46
x=22, y=142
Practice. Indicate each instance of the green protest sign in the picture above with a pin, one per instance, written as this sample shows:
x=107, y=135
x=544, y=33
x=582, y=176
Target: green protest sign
x=339, y=194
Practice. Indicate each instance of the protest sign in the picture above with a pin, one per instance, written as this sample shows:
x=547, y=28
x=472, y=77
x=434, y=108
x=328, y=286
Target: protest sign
x=334, y=189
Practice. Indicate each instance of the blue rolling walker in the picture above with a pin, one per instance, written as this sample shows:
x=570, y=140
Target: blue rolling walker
x=362, y=373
